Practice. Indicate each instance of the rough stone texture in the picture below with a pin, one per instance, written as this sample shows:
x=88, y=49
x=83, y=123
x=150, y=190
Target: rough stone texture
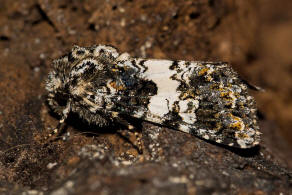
x=93, y=160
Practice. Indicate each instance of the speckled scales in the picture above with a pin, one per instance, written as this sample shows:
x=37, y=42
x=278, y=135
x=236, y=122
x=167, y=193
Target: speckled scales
x=206, y=99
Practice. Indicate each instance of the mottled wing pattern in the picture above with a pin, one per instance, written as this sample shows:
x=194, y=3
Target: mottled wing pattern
x=205, y=99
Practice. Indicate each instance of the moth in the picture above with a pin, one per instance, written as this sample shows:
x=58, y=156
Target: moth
x=205, y=99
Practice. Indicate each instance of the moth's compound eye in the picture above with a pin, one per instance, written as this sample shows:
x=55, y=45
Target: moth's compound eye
x=61, y=99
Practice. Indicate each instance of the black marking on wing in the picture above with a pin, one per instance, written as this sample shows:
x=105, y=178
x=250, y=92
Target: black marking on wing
x=174, y=65
x=135, y=65
x=71, y=58
x=141, y=63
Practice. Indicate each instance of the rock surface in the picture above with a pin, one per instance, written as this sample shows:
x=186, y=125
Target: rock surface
x=93, y=160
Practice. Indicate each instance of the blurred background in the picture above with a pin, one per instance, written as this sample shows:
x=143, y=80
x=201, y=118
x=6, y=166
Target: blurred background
x=271, y=68
x=254, y=36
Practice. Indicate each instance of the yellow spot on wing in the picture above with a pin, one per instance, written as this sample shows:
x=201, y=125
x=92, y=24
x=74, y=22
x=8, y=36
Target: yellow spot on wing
x=237, y=122
x=241, y=135
x=203, y=71
x=114, y=85
x=115, y=70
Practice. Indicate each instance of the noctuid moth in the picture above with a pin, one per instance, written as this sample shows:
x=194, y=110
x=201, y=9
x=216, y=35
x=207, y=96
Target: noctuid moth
x=205, y=99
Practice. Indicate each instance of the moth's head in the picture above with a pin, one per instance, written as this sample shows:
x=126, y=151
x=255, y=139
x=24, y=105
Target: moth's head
x=75, y=68
x=57, y=93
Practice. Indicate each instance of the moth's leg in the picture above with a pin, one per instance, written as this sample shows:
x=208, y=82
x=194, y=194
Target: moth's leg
x=129, y=133
x=59, y=128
